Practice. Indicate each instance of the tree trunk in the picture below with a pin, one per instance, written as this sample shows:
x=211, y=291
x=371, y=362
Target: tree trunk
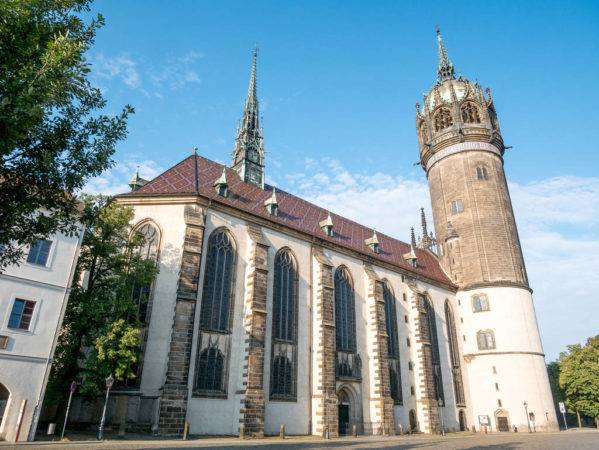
x=578, y=415
x=597, y=422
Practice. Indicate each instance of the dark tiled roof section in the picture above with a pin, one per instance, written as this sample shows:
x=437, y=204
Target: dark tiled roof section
x=293, y=212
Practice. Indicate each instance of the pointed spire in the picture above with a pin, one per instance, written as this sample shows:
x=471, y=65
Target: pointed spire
x=445, y=69
x=137, y=182
x=412, y=238
x=423, y=220
x=251, y=102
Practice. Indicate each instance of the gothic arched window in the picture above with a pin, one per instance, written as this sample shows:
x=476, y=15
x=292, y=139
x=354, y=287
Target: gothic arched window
x=432, y=359
x=284, y=326
x=348, y=363
x=392, y=343
x=470, y=113
x=216, y=315
x=345, y=320
x=217, y=283
x=442, y=119
x=147, y=250
x=458, y=385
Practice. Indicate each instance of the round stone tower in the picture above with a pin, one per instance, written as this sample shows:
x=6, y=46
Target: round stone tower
x=461, y=150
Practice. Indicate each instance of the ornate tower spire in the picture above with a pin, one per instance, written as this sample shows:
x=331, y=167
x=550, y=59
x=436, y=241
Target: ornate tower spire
x=445, y=70
x=248, y=154
x=423, y=220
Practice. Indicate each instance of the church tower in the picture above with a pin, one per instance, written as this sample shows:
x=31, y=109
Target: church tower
x=461, y=150
x=248, y=154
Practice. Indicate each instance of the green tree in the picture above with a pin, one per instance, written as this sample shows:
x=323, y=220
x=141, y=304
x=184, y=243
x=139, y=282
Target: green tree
x=101, y=311
x=579, y=377
x=53, y=137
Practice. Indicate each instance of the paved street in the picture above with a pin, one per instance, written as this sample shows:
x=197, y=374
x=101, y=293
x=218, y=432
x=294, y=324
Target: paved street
x=584, y=439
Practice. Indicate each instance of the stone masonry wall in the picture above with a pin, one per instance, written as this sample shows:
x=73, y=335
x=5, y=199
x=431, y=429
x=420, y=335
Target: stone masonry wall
x=253, y=404
x=324, y=393
x=173, y=405
x=380, y=383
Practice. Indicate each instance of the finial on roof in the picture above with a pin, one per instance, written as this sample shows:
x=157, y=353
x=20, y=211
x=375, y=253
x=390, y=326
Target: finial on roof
x=220, y=185
x=423, y=221
x=412, y=238
x=271, y=204
x=327, y=225
x=445, y=69
x=137, y=182
x=373, y=242
x=411, y=257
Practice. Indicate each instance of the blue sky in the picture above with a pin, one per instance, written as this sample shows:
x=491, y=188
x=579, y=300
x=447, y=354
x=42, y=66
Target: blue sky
x=337, y=83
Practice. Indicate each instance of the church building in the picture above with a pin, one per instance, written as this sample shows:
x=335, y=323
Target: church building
x=269, y=310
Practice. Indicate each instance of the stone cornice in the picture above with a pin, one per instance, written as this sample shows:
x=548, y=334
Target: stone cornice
x=461, y=147
x=494, y=284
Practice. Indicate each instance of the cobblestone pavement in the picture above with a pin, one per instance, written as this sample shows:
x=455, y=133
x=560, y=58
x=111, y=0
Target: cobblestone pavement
x=575, y=439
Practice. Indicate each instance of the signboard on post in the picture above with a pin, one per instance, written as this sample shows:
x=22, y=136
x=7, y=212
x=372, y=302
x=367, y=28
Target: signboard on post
x=562, y=409
x=483, y=420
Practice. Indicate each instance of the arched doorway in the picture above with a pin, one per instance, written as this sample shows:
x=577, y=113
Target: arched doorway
x=462, y=420
x=502, y=420
x=413, y=425
x=344, y=412
x=4, y=396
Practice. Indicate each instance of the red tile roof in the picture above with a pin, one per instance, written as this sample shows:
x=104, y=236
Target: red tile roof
x=293, y=212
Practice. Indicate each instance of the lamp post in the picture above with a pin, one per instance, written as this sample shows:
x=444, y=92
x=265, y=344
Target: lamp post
x=109, y=383
x=527, y=419
x=440, y=403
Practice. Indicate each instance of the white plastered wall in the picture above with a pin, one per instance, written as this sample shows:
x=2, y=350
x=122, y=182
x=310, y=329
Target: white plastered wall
x=517, y=363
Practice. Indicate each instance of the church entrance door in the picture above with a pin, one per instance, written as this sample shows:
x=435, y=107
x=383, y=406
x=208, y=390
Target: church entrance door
x=343, y=404
x=502, y=424
x=462, y=418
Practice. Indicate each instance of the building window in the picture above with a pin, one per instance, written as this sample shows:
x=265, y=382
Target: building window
x=457, y=207
x=39, y=252
x=147, y=250
x=458, y=385
x=406, y=318
x=496, y=386
x=412, y=390
x=392, y=344
x=494, y=370
x=486, y=340
x=21, y=314
x=348, y=363
x=432, y=359
x=408, y=341
x=284, y=327
x=404, y=296
x=499, y=402
x=481, y=173
x=410, y=365
x=480, y=302
x=469, y=113
x=215, y=315
x=442, y=119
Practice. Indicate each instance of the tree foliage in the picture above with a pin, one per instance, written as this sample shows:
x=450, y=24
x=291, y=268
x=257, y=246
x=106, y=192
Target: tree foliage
x=98, y=336
x=53, y=137
x=579, y=377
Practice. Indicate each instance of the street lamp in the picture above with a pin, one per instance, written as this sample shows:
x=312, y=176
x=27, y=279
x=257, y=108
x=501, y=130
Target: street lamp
x=527, y=419
x=440, y=403
x=109, y=383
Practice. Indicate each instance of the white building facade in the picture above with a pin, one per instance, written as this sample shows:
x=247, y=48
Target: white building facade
x=33, y=297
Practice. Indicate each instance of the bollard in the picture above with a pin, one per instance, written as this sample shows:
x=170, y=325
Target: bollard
x=185, y=431
x=242, y=431
x=453, y=428
x=326, y=432
x=485, y=429
x=122, y=430
x=282, y=431
x=354, y=431
x=400, y=430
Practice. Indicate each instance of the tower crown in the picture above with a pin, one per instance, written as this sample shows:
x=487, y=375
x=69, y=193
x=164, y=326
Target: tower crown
x=248, y=153
x=454, y=111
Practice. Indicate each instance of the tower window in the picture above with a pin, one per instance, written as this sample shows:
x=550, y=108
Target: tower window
x=457, y=206
x=481, y=173
x=442, y=119
x=494, y=370
x=408, y=341
x=486, y=340
x=406, y=318
x=405, y=297
x=499, y=402
x=412, y=390
x=469, y=113
x=496, y=386
x=480, y=303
